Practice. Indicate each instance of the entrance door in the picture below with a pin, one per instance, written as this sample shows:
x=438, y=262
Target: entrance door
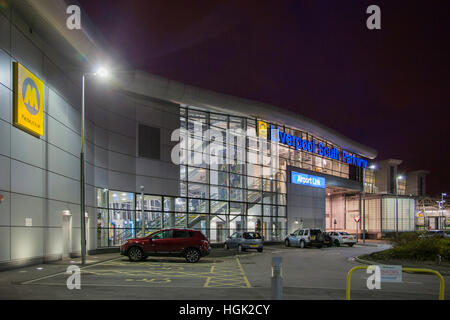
x=67, y=235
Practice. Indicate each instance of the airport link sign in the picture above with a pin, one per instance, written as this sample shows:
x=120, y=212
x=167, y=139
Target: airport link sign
x=28, y=101
x=307, y=180
x=298, y=143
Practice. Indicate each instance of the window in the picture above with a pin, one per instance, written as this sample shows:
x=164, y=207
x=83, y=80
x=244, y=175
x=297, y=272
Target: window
x=181, y=234
x=149, y=142
x=166, y=234
x=153, y=203
x=420, y=186
x=392, y=180
x=251, y=235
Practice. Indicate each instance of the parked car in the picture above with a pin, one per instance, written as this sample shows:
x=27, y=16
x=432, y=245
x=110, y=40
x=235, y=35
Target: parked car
x=305, y=237
x=245, y=240
x=340, y=238
x=190, y=244
x=436, y=233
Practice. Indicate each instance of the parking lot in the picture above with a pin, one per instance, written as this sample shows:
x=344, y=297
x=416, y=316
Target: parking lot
x=308, y=273
x=159, y=272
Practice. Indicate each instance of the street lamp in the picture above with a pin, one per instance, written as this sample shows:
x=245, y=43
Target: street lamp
x=441, y=206
x=103, y=73
x=372, y=167
x=396, y=206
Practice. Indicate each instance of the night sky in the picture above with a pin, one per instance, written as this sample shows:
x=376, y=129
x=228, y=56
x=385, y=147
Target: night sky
x=388, y=88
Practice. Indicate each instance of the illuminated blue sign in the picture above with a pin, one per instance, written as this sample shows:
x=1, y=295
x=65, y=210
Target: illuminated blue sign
x=311, y=146
x=307, y=180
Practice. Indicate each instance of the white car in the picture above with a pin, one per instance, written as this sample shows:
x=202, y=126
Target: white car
x=340, y=238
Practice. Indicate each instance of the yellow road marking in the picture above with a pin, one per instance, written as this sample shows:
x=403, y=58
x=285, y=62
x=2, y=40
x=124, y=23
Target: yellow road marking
x=243, y=273
x=225, y=276
x=226, y=273
x=208, y=279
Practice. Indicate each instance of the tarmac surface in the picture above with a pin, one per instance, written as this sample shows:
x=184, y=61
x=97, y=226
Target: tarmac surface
x=309, y=273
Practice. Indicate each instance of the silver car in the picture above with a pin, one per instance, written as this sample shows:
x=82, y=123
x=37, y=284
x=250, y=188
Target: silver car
x=245, y=240
x=340, y=238
x=305, y=237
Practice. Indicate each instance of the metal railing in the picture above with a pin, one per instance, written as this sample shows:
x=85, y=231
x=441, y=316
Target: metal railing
x=415, y=270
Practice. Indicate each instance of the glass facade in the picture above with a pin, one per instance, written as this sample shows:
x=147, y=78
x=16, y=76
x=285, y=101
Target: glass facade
x=230, y=180
x=404, y=218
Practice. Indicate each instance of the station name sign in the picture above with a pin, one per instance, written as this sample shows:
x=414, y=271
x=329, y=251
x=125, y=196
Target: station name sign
x=313, y=147
x=307, y=180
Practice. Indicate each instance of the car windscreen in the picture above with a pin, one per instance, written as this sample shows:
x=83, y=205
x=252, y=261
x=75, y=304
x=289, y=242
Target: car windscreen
x=251, y=235
x=345, y=233
x=315, y=232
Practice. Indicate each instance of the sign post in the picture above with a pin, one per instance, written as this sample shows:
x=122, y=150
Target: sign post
x=357, y=218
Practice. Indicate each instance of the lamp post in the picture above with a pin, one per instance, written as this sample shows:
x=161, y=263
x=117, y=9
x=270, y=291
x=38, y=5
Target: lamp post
x=364, y=202
x=102, y=73
x=442, y=210
x=396, y=206
x=142, y=212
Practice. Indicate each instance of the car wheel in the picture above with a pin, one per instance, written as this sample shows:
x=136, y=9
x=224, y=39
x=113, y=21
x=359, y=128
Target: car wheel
x=337, y=243
x=320, y=246
x=260, y=250
x=226, y=246
x=241, y=249
x=135, y=254
x=192, y=255
x=287, y=243
x=350, y=244
x=302, y=244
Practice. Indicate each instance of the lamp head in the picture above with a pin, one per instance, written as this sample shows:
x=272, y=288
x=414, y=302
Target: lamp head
x=102, y=72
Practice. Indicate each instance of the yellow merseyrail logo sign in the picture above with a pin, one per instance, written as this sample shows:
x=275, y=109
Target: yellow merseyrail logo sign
x=262, y=129
x=28, y=101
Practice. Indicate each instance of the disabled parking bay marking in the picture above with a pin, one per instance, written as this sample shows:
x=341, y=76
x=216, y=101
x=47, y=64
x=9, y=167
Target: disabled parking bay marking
x=230, y=275
x=209, y=272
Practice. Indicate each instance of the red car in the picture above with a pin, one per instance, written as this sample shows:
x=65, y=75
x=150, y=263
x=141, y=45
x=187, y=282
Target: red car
x=191, y=244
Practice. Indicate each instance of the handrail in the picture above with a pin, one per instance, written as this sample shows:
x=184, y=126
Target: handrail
x=441, y=279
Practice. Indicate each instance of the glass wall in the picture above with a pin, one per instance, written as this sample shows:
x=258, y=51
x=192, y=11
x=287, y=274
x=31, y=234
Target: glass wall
x=230, y=180
x=369, y=185
x=116, y=219
x=406, y=209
